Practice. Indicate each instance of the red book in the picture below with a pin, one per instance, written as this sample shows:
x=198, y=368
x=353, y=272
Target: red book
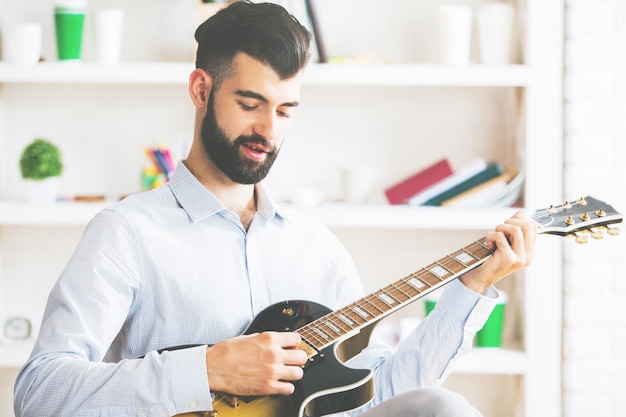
x=404, y=190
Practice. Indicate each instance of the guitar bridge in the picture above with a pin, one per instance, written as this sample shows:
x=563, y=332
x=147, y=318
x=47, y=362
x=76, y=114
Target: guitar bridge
x=230, y=400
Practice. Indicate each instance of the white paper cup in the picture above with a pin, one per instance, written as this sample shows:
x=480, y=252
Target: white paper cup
x=357, y=183
x=495, y=33
x=109, y=30
x=23, y=44
x=454, y=23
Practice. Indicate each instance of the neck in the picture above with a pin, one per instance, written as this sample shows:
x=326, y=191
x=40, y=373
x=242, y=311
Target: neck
x=238, y=198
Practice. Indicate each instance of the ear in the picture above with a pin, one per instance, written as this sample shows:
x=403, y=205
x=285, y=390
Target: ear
x=200, y=84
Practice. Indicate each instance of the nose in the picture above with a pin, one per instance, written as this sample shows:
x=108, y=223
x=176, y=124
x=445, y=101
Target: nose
x=267, y=125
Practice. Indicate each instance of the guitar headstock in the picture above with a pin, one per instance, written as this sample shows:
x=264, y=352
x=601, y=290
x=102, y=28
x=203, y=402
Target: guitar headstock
x=583, y=218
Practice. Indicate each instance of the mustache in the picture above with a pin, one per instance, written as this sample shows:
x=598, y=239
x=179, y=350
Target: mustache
x=257, y=140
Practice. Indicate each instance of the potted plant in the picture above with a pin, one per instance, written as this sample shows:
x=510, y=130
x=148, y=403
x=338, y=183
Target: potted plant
x=41, y=166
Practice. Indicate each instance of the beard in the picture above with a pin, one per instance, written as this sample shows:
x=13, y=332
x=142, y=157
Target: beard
x=226, y=155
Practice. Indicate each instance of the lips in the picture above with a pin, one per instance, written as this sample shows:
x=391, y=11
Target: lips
x=255, y=151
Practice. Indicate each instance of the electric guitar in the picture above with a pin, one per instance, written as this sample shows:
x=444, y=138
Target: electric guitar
x=332, y=337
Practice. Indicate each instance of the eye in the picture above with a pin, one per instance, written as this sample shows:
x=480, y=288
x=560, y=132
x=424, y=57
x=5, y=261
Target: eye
x=246, y=107
x=284, y=113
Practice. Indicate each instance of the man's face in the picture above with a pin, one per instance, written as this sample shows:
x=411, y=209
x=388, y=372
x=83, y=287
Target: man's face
x=247, y=118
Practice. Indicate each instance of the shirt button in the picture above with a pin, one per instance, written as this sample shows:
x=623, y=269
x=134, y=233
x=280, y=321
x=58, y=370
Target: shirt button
x=193, y=404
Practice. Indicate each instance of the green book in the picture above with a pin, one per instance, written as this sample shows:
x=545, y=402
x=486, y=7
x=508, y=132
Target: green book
x=491, y=171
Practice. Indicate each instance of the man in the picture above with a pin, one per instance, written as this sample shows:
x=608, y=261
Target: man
x=192, y=262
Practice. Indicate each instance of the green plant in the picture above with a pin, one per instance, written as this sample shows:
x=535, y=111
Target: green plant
x=41, y=159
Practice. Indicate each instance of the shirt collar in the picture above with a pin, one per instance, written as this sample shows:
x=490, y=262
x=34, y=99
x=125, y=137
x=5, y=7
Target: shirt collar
x=200, y=203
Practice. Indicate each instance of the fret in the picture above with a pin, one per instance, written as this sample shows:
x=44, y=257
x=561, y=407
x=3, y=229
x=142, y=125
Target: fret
x=454, y=265
x=361, y=312
x=399, y=290
x=418, y=283
x=386, y=298
x=332, y=327
x=312, y=337
x=464, y=258
x=438, y=270
x=340, y=323
x=373, y=301
x=409, y=288
x=320, y=332
x=347, y=319
x=431, y=274
x=351, y=311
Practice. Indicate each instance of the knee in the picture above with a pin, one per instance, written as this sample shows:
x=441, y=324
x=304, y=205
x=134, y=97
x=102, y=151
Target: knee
x=436, y=402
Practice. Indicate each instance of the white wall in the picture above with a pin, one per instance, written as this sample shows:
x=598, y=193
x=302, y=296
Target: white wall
x=594, y=337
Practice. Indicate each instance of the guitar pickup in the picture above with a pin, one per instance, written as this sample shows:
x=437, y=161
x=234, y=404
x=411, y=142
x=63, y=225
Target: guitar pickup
x=310, y=352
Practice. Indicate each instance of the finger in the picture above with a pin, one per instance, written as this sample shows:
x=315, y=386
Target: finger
x=514, y=235
x=286, y=340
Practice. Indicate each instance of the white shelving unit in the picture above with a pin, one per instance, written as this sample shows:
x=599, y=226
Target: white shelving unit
x=533, y=358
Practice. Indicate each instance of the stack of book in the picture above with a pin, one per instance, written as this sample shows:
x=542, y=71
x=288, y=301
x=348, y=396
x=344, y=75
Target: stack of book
x=477, y=184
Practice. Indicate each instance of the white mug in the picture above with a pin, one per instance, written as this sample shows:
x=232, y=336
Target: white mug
x=454, y=24
x=109, y=29
x=495, y=33
x=23, y=44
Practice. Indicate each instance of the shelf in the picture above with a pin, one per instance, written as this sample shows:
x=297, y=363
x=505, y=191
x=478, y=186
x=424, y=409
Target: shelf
x=428, y=75
x=62, y=214
x=317, y=74
x=501, y=361
x=14, y=356
x=332, y=214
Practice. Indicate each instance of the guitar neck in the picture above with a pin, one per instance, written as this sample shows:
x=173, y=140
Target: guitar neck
x=582, y=218
x=373, y=307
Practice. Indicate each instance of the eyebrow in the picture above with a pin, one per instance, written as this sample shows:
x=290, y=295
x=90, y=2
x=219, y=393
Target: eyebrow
x=257, y=96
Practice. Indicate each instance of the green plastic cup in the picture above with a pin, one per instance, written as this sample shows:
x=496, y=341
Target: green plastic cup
x=69, y=19
x=429, y=305
x=491, y=333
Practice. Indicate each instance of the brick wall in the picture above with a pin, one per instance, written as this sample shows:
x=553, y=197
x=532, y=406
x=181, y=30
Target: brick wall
x=594, y=328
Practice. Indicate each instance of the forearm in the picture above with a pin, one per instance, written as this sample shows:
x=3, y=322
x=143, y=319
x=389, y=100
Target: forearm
x=157, y=385
x=426, y=356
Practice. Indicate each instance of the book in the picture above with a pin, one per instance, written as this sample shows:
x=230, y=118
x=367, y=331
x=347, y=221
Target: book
x=483, y=194
x=401, y=192
x=493, y=170
x=462, y=174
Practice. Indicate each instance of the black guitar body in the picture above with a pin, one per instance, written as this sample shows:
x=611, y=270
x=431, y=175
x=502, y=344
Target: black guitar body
x=328, y=386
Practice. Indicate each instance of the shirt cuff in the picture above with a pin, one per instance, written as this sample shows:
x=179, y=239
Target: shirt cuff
x=190, y=384
x=468, y=306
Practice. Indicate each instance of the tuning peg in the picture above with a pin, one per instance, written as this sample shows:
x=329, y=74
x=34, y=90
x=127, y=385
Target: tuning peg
x=582, y=238
x=567, y=205
x=598, y=233
x=612, y=231
x=585, y=217
x=551, y=209
x=582, y=201
x=569, y=220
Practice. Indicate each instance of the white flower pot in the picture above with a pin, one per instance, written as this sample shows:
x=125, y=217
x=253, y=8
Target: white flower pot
x=43, y=191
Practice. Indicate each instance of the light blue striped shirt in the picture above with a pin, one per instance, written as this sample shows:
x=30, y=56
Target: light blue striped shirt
x=174, y=266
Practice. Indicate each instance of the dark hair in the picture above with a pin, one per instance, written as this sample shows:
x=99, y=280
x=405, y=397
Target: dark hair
x=265, y=31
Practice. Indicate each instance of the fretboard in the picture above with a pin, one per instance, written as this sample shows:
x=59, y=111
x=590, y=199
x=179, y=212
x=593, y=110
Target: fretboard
x=350, y=319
